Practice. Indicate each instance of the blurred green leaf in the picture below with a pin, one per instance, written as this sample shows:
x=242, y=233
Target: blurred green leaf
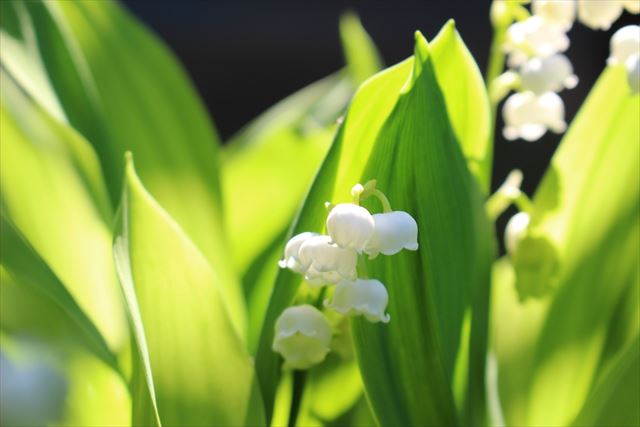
x=467, y=101
x=194, y=360
x=53, y=193
x=34, y=300
x=361, y=54
x=122, y=90
x=549, y=361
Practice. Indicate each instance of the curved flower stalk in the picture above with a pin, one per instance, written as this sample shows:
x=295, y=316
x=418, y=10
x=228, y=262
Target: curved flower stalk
x=303, y=336
x=528, y=116
x=368, y=298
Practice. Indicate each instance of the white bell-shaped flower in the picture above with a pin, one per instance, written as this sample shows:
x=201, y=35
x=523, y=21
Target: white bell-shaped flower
x=368, y=298
x=562, y=12
x=515, y=230
x=632, y=6
x=528, y=116
x=534, y=37
x=624, y=44
x=302, y=336
x=599, y=14
x=326, y=262
x=633, y=73
x=393, y=232
x=291, y=253
x=350, y=226
x=551, y=74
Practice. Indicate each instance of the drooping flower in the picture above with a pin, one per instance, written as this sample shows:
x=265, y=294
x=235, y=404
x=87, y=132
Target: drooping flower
x=528, y=116
x=292, y=253
x=561, y=12
x=350, y=226
x=326, y=262
x=633, y=72
x=632, y=6
x=624, y=44
x=368, y=298
x=551, y=74
x=534, y=37
x=599, y=14
x=393, y=232
x=515, y=231
x=302, y=336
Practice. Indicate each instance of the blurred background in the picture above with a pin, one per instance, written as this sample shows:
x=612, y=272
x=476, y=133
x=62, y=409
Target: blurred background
x=245, y=56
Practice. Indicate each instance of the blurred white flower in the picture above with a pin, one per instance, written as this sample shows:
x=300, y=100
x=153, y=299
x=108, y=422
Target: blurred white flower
x=291, y=253
x=302, y=336
x=326, y=262
x=368, y=298
x=551, y=74
x=515, y=230
x=350, y=226
x=624, y=43
x=393, y=232
x=528, y=116
x=632, y=6
x=562, y=12
x=534, y=37
x=633, y=72
x=599, y=14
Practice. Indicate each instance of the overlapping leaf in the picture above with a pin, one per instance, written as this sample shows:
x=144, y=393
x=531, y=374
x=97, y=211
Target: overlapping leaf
x=587, y=207
x=188, y=352
x=369, y=117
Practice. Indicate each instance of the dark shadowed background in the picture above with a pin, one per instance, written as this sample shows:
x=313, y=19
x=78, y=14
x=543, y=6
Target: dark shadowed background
x=245, y=56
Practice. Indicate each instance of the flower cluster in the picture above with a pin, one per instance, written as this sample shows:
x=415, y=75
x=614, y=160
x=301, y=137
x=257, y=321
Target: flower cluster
x=302, y=332
x=539, y=70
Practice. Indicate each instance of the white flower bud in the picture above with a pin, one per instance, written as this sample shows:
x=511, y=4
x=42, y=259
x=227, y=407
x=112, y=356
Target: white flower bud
x=633, y=73
x=393, y=232
x=599, y=14
x=562, y=12
x=534, y=37
x=551, y=74
x=326, y=262
x=515, y=230
x=624, y=43
x=368, y=298
x=632, y=6
x=350, y=226
x=528, y=116
x=302, y=336
x=291, y=253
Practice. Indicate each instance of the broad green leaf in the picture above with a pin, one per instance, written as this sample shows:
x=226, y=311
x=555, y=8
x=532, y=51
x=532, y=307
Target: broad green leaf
x=408, y=365
x=369, y=111
x=362, y=57
x=467, y=101
x=122, y=90
x=35, y=301
x=193, y=358
x=592, y=222
x=52, y=192
x=614, y=398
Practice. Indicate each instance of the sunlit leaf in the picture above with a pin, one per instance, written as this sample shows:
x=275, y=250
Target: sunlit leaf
x=549, y=363
x=187, y=345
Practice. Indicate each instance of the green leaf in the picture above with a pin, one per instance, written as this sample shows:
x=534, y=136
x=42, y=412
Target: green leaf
x=35, y=300
x=122, y=90
x=593, y=224
x=361, y=55
x=467, y=101
x=187, y=345
x=374, y=114
x=53, y=193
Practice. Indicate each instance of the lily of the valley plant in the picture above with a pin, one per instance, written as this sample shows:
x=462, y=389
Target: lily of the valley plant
x=337, y=261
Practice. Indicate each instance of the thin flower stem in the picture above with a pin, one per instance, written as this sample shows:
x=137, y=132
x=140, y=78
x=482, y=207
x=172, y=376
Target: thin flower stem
x=299, y=379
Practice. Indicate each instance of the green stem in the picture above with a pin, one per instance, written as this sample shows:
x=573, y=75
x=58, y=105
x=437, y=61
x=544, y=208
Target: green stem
x=496, y=63
x=299, y=379
x=386, y=206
